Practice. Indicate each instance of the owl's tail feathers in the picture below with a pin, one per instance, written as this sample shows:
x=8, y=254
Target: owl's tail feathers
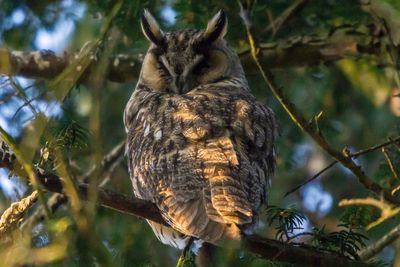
x=228, y=199
x=191, y=218
x=169, y=236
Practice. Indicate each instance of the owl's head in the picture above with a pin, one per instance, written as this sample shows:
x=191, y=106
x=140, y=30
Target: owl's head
x=180, y=61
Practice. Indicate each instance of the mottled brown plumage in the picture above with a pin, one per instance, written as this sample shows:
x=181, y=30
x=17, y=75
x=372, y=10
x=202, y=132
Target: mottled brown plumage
x=198, y=143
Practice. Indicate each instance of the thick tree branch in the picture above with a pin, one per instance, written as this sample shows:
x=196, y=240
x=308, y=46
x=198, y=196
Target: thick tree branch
x=266, y=248
x=300, y=254
x=294, y=52
x=47, y=65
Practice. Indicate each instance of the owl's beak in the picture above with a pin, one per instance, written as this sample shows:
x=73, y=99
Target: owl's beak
x=183, y=84
x=180, y=84
x=184, y=81
x=176, y=84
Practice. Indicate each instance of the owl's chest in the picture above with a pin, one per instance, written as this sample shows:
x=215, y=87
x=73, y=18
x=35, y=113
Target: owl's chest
x=172, y=139
x=164, y=137
x=161, y=125
x=157, y=130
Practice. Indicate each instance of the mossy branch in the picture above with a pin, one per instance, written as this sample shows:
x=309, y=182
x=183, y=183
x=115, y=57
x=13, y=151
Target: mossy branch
x=12, y=216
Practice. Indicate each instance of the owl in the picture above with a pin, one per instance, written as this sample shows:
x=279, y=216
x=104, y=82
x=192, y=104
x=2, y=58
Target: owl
x=199, y=145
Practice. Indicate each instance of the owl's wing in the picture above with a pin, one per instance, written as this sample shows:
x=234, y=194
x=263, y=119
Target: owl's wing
x=230, y=145
x=204, y=159
x=255, y=131
x=238, y=188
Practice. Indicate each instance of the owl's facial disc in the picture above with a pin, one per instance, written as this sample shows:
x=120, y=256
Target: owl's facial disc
x=180, y=61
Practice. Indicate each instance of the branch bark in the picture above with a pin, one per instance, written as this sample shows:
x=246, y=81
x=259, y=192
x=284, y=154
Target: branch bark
x=300, y=254
x=45, y=64
x=298, y=51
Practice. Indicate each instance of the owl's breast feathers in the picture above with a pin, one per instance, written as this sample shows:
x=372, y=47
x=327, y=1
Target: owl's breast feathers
x=205, y=158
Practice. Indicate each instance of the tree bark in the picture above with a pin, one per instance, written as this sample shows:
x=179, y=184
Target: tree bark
x=297, y=51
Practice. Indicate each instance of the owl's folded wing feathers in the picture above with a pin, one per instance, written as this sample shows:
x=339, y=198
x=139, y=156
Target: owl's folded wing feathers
x=236, y=165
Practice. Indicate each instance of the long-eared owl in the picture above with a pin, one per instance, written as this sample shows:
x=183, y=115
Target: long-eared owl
x=198, y=143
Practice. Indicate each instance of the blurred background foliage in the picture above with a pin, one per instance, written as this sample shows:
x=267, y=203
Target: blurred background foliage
x=355, y=95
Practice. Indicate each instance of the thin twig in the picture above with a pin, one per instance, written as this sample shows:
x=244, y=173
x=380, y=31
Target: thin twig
x=315, y=176
x=392, y=141
x=395, y=190
x=107, y=161
x=289, y=12
x=28, y=102
x=365, y=201
x=334, y=162
x=390, y=163
x=23, y=95
x=108, y=173
x=396, y=144
x=380, y=244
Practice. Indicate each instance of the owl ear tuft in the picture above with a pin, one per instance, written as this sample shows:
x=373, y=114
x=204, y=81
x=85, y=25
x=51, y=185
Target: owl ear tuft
x=151, y=29
x=216, y=28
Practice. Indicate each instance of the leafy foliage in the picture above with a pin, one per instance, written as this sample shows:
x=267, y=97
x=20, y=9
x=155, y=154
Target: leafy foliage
x=346, y=242
x=72, y=135
x=357, y=216
x=285, y=221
